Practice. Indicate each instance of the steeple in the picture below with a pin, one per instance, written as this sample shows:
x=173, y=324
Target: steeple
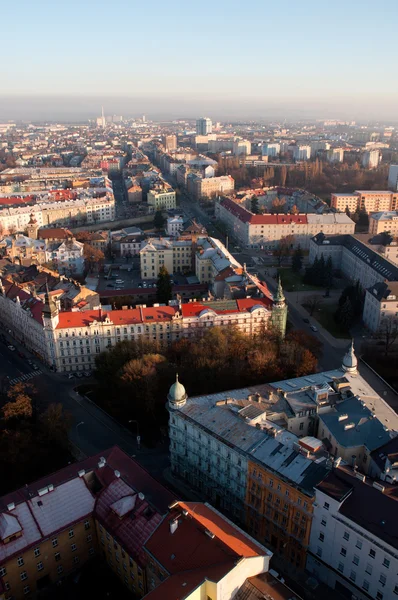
x=32, y=227
x=279, y=296
x=50, y=310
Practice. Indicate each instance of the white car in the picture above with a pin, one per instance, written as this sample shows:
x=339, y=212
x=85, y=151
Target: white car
x=12, y=348
x=314, y=328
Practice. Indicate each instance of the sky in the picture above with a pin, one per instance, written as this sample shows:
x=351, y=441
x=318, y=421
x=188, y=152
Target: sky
x=180, y=59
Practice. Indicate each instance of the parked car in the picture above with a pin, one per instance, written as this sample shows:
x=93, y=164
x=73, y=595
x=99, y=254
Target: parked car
x=12, y=348
x=71, y=376
x=314, y=328
x=35, y=367
x=306, y=321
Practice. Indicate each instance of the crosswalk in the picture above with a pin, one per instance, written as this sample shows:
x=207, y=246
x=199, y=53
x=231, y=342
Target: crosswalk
x=25, y=377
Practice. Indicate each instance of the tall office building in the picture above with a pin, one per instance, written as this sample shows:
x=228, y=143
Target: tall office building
x=204, y=126
x=170, y=142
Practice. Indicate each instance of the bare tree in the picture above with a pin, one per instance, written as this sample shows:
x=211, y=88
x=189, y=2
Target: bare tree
x=284, y=248
x=313, y=302
x=388, y=333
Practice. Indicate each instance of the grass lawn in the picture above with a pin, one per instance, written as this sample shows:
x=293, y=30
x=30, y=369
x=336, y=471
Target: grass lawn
x=292, y=281
x=325, y=316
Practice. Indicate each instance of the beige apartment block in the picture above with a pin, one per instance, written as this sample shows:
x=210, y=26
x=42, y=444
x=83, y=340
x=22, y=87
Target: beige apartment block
x=164, y=199
x=384, y=221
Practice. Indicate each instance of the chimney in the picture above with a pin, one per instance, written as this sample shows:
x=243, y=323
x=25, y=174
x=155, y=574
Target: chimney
x=173, y=526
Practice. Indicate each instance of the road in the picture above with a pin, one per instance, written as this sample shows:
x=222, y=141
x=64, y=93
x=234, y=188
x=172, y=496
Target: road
x=92, y=430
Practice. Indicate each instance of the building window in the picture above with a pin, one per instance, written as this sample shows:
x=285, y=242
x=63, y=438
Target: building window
x=372, y=553
x=379, y=596
x=353, y=576
x=365, y=585
x=23, y=576
x=60, y=569
x=71, y=533
x=323, y=522
x=40, y=566
x=326, y=506
x=26, y=590
x=368, y=569
x=75, y=560
x=3, y=571
x=20, y=561
x=57, y=556
x=386, y=563
x=395, y=590
x=346, y=536
x=89, y=537
x=73, y=547
x=321, y=537
x=86, y=524
x=343, y=551
x=340, y=567
x=91, y=551
x=382, y=579
x=319, y=551
x=355, y=560
x=358, y=544
x=36, y=552
x=7, y=586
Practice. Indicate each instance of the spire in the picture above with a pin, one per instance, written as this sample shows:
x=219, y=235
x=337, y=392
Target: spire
x=279, y=296
x=50, y=308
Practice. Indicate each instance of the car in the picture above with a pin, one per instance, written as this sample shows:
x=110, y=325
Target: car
x=79, y=375
x=110, y=285
x=30, y=362
x=35, y=367
x=306, y=321
x=314, y=328
x=87, y=374
x=12, y=348
x=71, y=376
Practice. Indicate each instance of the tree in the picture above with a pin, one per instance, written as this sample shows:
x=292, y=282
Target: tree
x=295, y=210
x=283, y=248
x=159, y=220
x=313, y=302
x=254, y=206
x=388, y=332
x=328, y=275
x=386, y=238
x=297, y=260
x=164, y=286
x=55, y=424
x=344, y=315
x=20, y=405
x=93, y=257
x=347, y=211
x=83, y=236
x=278, y=205
x=283, y=175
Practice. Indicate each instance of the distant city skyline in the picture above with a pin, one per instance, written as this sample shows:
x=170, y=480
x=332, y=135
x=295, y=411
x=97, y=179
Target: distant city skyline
x=292, y=60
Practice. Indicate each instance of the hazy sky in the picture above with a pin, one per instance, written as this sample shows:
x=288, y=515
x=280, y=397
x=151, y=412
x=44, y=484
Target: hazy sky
x=180, y=58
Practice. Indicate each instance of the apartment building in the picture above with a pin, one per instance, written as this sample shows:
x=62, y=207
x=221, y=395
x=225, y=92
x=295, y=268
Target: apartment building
x=371, y=159
x=134, y=194
x=204, y=126
x=174, y=254
x=354, y=537
x=367, y=200
x=253, y=453
x=301, y=152
x=174, y=225
x=63, y=207
x=335, y=155
x=384, y=221
x=271, y=149
x=66, y=257
x=358, y=261
x=393, y=178
x=69, y=340
x=241, y=146
x=265, y=231
x=161, y=199
x=130, y=245
x=208, y=187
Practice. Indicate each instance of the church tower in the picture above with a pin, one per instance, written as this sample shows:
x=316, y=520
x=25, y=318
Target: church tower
x=50, y=312
x=279, y=310
x=32, y=227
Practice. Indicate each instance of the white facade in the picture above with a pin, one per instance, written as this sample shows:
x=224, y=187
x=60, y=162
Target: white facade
x=336, y=155
x=344, y=553
x=271, y=149
x=174, y=225
x=302, y=152
x=204, y=126
x=67, y=257
x=371, y=159
x=164, y=199
x=241, y=147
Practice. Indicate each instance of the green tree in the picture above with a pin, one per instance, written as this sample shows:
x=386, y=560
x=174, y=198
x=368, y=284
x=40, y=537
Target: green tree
x=297, y=260
x=345, y=314
x=164, y=286
x=254, y=206
x=159, y=220
x=328, y=275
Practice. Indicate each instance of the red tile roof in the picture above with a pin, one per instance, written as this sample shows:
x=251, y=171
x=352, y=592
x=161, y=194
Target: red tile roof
x=246, y=216
x=12, y=290
x=56, y=233
x=118, y=317
x=14, y=200
x=193, y=309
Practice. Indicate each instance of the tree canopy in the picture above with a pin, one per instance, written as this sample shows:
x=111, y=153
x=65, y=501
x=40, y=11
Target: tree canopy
x=164, y=286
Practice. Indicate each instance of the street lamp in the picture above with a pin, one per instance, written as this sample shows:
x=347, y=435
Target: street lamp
x=138, y=432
